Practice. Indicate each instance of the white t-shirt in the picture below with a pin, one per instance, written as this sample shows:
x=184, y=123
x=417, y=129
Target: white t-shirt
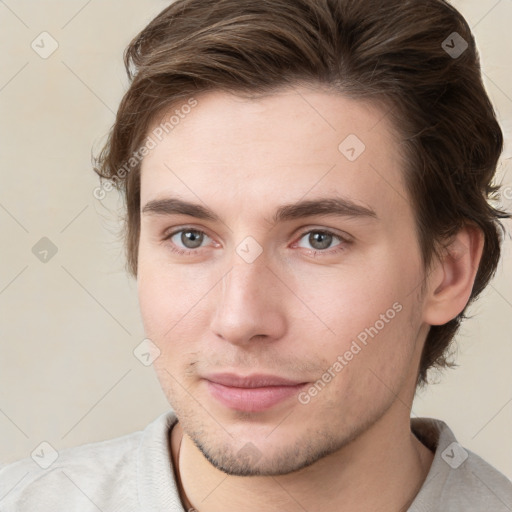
x=134, y=473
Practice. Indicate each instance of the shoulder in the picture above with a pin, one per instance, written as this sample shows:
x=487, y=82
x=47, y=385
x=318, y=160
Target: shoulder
x=74, y=479
x=100, y=475
x=459, y=479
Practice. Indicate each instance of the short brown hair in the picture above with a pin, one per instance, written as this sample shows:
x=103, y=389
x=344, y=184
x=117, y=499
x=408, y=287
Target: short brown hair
x=393, y=52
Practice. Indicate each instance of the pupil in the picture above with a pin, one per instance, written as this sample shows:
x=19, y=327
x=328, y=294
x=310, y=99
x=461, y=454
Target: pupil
x=191, y=239
x=320, y=240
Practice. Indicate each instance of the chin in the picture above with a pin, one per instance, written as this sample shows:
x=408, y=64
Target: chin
x=273, y=461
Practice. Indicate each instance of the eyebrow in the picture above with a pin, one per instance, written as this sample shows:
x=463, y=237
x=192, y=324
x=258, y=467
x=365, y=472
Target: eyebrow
x=335, y=206
x=173, y=206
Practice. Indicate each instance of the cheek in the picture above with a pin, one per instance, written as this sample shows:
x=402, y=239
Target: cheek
x=169, y=294
x=363, y=322
x=168, y=313
x=363, y=372
x=346, y=302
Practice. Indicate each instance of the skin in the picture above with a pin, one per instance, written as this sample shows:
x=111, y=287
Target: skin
x=296, y=307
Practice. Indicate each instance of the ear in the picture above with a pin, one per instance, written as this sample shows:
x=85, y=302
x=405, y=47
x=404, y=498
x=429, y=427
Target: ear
x=451, y=280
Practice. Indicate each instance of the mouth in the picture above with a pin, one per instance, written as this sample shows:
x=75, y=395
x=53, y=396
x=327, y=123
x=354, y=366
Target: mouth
x=252, y=393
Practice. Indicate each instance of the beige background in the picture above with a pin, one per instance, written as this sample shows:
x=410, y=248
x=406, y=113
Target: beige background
x=69, y=326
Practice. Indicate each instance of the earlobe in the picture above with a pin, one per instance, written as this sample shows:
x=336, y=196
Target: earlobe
x=451, y=281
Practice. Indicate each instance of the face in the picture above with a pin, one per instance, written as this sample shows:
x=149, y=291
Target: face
x=278, y=275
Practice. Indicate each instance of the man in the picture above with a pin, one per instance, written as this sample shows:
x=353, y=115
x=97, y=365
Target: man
x=307, y=187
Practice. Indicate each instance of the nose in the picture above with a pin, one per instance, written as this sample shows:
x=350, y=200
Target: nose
x=249, y=304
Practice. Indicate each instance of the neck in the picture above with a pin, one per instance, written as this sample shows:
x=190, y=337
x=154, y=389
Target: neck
x=381, y=470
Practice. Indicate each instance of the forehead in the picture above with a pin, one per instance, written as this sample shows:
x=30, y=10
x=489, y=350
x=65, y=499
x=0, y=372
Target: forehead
x=279, y=148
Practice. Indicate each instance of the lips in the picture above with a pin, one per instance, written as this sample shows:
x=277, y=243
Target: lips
x=253, y=393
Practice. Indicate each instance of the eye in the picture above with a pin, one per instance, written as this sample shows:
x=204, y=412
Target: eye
x=321, y=240
x=188, y=239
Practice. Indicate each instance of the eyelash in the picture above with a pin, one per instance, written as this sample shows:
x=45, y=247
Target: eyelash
x=341, y=247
